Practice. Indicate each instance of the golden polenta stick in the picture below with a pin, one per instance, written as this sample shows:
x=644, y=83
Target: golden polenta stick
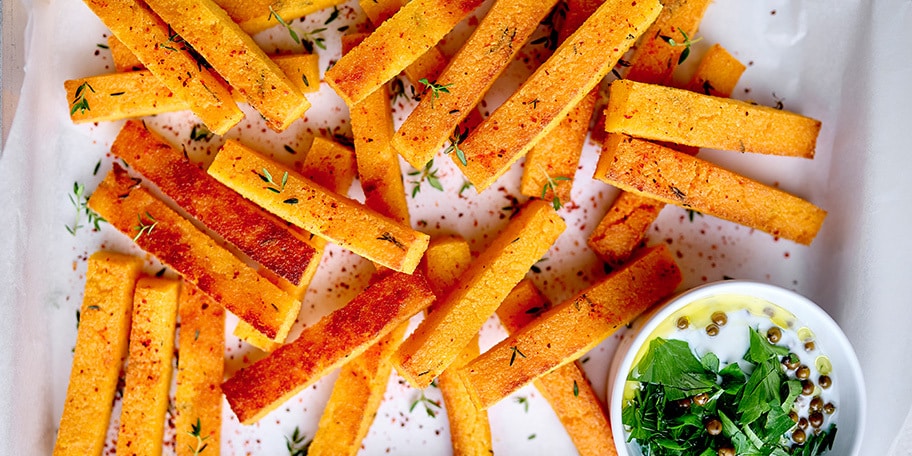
x=470, y=431
x=252, y=230
x=139, y=93
x=571, y=329
x=345, y=333
x=430, y=64
x=471, y=72
x=672, y=177
x=378, y=163
x=175, y=241
x=566, y=388
x=717, y=74
x=236, y=57
x=148, y=378
x=201, y=362
x=101, y=346
x=675, y=115
x=336, y=218
x=556, y=86
x=552, y=162
x=333, y=166
x=394, y=45
x=257, y=15
x=150, y=39
x=624, y=226
x=440, y=338
x=655, y=58
x=357, y=394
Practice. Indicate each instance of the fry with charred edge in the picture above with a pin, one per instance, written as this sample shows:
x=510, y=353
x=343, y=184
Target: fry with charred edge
x=430, y=64
x=394, y=45
x=672, y=177
x=178, y=244
x=331, y=165
x=471, y=72
x=557, y=154
x=440, y=338
x=624, y=226
x=555, y=88
x=101, y=347
x=362, y=381
x=566, y=388
x=334, y=217
x=655, y=59
x=148, y=378
x=252, y=230
x=343, y=334
x=148, y=37
x=470, y=432
x=198, y=400
x=571, y=329
x=675, y=115
x=236, y=57
x=378, y=164
x=257, y=15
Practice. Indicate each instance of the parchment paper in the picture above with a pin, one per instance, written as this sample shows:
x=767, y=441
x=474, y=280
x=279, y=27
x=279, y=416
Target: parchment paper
x=847, y=63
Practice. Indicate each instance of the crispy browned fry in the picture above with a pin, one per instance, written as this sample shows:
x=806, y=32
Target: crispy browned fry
x=101, y=347
x=566, y=388
x=655, y=58
x=623, y=227
x=343, y=334
x=236, y=57
x=148, y=378
x=440, y=338
x=331, y=165
x=394, y=45
x=675, y=115
x=471, y=72
x=555, y=88
x=672, y=177
x=177, y=243
x=252, y=230
x=571, y=329
x=556, y=156
x=324, y=213
x=201, y=362
x=150, y=39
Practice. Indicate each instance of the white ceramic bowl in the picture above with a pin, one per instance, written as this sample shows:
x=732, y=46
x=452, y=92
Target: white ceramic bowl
x=830, y=340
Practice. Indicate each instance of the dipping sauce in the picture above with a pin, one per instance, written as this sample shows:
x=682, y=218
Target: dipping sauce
x=730, y=374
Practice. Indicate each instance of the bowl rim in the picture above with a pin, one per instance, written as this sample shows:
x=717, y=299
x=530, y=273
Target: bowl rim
x=800, y=306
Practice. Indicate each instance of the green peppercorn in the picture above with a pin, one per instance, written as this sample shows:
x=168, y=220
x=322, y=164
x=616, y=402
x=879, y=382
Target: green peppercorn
x=714, y=426
x=798, y=436
x=803, y=372
x=683, y=322
x=774, y=334
x=712, y=329
x=824, y=381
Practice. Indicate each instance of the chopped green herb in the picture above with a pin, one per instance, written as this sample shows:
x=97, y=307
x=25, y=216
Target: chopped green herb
x=687, y=42
x=465, y=186
x=291, y=31
x=195, y=431
x=291, y=201
x=79, y=101
x=515, y=351
x=436, y=89
x=524, y=401
x=200, y=132
x=143, y=227
x=297, y=444
x=428, y=404
x=427, y=173
x=455, y=140
x=333, y=16
x=79, y=201
x=273, y=186
x=551, y=185
x=575, y=389
x=392, y=240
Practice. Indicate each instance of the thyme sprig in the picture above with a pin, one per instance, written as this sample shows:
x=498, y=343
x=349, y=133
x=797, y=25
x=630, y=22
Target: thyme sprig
x=686, y=43
x=551, y=184
x=291, y=31
x=79, y=101
x=429, y=405
x=428, y=173
x=297, y=444
x=200, y=132
x=79, y=201
x=196, y=431
x=436, y=89
x=515, y=351
x=143, y=227
x=456, y=139
x=273, y=186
